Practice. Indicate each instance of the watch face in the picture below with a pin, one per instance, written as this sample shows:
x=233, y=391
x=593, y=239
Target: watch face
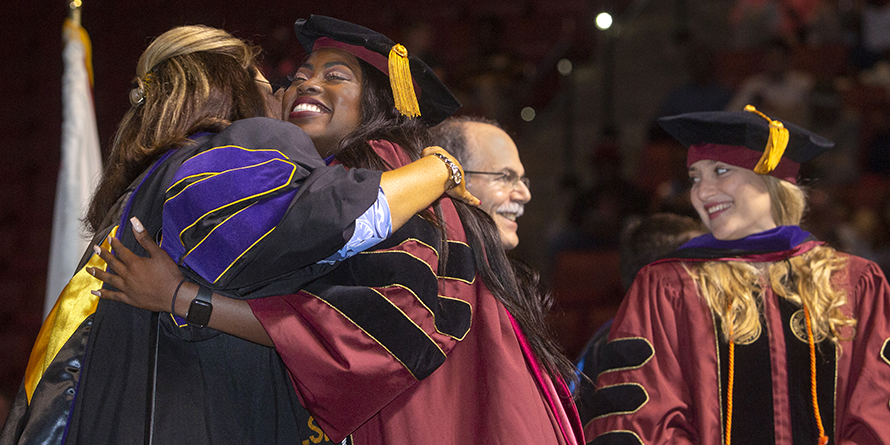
x=199, y=313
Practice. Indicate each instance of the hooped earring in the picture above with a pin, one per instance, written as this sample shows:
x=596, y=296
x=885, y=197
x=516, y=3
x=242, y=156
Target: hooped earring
x=137, y=94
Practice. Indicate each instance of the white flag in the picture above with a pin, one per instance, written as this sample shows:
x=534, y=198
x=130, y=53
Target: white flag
x=81, y=165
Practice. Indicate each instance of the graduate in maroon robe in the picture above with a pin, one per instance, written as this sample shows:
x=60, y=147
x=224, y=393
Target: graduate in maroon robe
x=755, y=333
x=426, y=339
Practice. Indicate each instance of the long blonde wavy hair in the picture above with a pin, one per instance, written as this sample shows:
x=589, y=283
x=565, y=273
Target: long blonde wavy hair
x=731, y=288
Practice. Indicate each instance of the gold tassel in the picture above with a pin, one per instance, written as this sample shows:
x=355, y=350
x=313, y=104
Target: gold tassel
x=775, y=145
x=401, y=82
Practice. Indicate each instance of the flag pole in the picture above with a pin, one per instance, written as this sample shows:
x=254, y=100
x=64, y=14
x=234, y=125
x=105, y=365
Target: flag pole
x=80, y=164
x=75, y=5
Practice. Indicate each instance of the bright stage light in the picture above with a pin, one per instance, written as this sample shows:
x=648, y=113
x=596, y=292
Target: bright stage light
x=603, y=20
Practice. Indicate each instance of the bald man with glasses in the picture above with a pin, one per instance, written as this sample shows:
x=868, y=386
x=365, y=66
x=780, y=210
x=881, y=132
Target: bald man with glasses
x=493, y=170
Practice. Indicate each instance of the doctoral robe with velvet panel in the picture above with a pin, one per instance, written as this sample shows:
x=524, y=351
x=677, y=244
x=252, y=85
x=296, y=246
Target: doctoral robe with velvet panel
x=391, y=348
x=666, y=370
x=228, y=202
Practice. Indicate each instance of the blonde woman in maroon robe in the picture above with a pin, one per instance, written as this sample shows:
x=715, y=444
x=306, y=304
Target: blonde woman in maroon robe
x=754, y=333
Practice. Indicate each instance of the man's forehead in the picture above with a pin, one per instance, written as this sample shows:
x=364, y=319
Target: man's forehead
x=491, y=146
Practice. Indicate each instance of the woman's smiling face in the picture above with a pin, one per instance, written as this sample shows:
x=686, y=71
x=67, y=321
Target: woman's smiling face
x=325, y=98
x=732, y=201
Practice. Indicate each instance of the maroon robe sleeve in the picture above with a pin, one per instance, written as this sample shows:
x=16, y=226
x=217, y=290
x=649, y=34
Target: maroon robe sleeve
x=642, y=396
x=382, y=347
x=352, y=348
x=863, y=399
x=361, y=336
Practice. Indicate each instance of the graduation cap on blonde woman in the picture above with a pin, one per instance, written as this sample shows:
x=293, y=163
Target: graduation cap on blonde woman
x=417, y=90
x=747, y=139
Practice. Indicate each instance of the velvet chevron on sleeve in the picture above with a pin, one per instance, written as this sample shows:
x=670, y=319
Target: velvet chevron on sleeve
x=666, y=376
x=389, y=348
x=104, y=372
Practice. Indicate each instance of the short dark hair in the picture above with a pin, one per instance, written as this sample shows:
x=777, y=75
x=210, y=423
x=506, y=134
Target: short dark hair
x=649, y=238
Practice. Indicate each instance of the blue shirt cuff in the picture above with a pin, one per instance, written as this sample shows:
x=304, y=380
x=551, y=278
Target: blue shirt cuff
x=374, y=226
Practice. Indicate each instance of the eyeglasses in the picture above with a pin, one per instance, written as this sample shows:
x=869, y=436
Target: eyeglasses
x=508, y=178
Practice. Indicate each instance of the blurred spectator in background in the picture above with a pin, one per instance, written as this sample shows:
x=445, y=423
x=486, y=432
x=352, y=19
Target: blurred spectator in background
x=832, y=118
x=874, y=34
x=583, y=247
x=279, y=60
x=663, y=175
x=778, y=91
x=876, y=139
x=755, y=21
x=826, y=24
x=419, y=36
x=491, y=76
x=599, y=210
x=702, y=92
x=667, y=185
x=880, y=243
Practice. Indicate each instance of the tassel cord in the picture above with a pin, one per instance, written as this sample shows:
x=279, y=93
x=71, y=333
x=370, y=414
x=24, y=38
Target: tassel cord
x=823, y=439
x=775, y=145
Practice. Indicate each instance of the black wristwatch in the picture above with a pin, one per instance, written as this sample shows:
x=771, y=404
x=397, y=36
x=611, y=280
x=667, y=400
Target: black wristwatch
x=200, y=308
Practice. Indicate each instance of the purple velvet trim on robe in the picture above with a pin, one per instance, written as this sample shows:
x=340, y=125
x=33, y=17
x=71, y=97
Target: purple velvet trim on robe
x=773, y=240
x=228, y=204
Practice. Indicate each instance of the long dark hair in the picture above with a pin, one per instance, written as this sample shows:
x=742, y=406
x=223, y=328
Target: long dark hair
x=516, y=286
x=193, y=78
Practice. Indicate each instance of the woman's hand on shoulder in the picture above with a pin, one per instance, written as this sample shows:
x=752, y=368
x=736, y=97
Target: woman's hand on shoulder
x=144, y=282
x=459, y=191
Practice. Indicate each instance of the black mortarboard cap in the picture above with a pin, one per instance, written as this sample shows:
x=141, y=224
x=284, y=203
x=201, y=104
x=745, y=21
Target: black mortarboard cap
x=411, y=76
x=746, y=139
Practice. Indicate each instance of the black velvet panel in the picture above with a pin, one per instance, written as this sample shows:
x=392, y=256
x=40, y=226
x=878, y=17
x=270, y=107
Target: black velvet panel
x=625, y=353
x=398, y=263
x=616, y=438
x=453, y=318
x=619, y=399
x=752, y=414
x=803, y=417
x=375, y=315
x=461, y=264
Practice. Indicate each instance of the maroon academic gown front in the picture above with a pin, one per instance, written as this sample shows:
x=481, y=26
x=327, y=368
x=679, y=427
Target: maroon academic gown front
x=391, y=350
x=668, y=386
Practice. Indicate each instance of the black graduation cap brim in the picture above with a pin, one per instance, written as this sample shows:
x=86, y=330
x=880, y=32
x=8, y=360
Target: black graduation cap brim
x=719, y=136
x=435, y=100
